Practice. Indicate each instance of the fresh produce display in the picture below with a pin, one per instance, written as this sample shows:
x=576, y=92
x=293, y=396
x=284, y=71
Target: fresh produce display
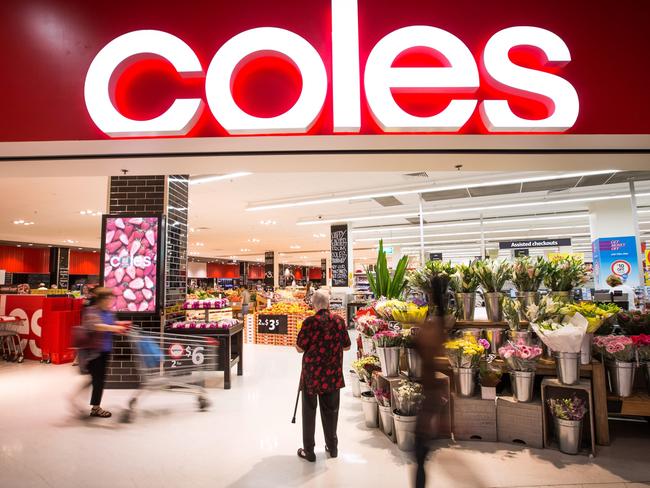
x=202, y=294
x=382, y=284
x=130, y=262
x=287, y=308
x=221, y=324
x=208, y=304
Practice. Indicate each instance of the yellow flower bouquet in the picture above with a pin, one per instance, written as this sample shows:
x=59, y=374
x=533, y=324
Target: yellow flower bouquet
x=465, y=352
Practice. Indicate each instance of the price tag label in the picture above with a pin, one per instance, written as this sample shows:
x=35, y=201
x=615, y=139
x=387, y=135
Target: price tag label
x=272, y=324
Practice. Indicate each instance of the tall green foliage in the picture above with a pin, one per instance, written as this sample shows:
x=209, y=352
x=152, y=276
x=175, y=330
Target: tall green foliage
x=382, y=284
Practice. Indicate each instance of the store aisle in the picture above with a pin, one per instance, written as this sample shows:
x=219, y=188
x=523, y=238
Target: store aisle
x=247, y=440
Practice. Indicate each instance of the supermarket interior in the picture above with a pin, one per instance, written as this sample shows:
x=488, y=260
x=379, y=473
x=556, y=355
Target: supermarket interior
x=428, y=221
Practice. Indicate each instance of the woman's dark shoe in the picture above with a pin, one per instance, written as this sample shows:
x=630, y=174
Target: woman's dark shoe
x=100, y=412
x=332, y=452
x=308, y=456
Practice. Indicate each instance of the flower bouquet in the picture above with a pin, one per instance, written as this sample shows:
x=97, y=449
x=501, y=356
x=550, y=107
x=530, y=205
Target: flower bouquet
x=410, y=313
x=465, y=352
x=642, y=345
x=618, y=352
x=409, y=397
x=382, y=396
x=423, y=279
x=595, y=313
x=464, y=283
x=387, y=343
x=565, y=273
x=368, y=325
x=408, y=338
x=634, y=323
x=528, y=274
x=385, y=308
x=615, y=347
x=492, y=276
x=512, y=312
x=489, y=377
x=383, y=402
x=365, y=367
x=568, y=414
x=520, y=356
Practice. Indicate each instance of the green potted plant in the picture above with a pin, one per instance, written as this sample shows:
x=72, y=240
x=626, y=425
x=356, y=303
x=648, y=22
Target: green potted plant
x=492, y=275
x=382, y=284
x=464, y=284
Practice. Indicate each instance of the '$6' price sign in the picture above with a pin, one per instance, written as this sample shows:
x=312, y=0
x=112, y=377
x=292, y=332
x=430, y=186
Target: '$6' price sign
x=272, y=324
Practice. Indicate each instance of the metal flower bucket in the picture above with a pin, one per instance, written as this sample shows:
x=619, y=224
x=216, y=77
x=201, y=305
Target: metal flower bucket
x=386, y=414
x=493, y=306
x=405, y=430
x=389, y=360
x=568, y=367
x=522, y=385
x=495, y=337
x=517, y=335
x=526, y=298
x=414, y=363
x=370, y=412
x=368, y=345
x=465, y=379
x=563, y=296
x=621, y=377
x=354, y=383
x=568, y=434
x=465, y=302
x=647, y=374
x=363, y=386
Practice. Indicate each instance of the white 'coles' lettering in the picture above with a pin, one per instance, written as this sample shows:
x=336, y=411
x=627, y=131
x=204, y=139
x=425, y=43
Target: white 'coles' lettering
x=460, y=74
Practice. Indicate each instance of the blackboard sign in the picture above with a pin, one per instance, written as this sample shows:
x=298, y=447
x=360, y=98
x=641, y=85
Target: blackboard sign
x=269, y=265
x=519, y=253
x=534, y=243
x=272, y=324
x=339, y=247
x=435, y=256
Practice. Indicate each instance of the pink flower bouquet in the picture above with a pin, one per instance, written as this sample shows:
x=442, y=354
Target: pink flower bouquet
x=520, y=356
x=369, y=325
x=387, y=338
x=615, y=347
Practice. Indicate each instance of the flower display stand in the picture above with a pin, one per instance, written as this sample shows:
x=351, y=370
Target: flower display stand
x=474, y=419
x=520, y=423
x=552, y=388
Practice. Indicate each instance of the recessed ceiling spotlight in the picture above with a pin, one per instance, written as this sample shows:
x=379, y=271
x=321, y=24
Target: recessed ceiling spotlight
x=268, y=222
x=244, y=249
x=199, y=244
x=320, y=235
x=253, y=240
x=294, y=246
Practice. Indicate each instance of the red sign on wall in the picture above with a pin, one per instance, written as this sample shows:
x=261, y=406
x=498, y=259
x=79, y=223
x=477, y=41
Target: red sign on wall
x=95, y=70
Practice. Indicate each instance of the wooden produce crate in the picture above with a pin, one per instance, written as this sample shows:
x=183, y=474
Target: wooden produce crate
x=474, y=419
x=288, y=339
x=520, y=423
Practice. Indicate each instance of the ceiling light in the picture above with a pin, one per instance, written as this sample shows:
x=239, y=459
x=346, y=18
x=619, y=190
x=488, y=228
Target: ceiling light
x=434, y=189
x=243, y=249
x=294, y=246
x=210, y=179
x=470, y=209
x=199, y=244
x=253, y=240
x=19, y=245
x=268, y=222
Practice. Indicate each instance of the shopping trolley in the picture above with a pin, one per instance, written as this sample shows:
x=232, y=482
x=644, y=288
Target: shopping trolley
x=10, y=345
x=171, y=362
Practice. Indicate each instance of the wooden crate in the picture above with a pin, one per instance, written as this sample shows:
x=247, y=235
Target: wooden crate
x=474, y=419
x=552, y=388
x=520, y=423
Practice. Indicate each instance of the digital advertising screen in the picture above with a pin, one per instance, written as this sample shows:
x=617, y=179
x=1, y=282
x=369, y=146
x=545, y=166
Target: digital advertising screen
x=131, y=248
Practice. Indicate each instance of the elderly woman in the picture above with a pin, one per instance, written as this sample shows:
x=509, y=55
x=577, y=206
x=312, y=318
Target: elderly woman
x=322, y=339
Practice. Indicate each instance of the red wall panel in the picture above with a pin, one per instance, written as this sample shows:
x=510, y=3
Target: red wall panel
x=315, y=273
x=84, y=263
x=217, y=270
x=25, y=259
x=256, y=272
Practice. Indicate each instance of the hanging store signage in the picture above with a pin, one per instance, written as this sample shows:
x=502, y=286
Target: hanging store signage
x=272, y=324
x=519, y=253
x=617, y=256
x=269, y=266
x=131, y=247
x=339, y=249
x=534, y=243
x=261, y=68
x=435, y=256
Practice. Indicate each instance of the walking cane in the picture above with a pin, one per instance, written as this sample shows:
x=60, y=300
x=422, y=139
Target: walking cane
x=295, y=409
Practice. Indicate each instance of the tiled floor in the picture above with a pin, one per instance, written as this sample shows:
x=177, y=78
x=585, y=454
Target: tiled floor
x=246, y=440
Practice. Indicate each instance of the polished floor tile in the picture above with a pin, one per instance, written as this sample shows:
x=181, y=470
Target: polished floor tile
x=246, y=440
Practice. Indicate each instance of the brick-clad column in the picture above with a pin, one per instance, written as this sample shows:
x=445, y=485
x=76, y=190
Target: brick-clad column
x=139, y=195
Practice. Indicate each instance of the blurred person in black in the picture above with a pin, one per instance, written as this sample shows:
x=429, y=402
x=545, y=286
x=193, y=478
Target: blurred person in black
x=429, y=345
